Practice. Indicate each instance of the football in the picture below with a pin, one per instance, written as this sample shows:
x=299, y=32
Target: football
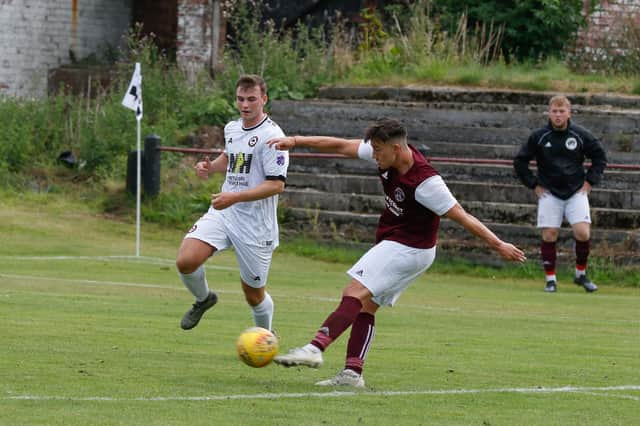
x=257, y=346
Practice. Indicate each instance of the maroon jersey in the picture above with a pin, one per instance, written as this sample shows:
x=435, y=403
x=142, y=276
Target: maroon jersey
x=404, y=219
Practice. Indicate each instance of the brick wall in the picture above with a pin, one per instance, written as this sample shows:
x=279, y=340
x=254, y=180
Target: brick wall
x=37, y=35
x=201, y=35
x=605, y=24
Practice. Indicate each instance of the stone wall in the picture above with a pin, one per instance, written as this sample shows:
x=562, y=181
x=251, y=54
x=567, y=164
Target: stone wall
x=38, y=35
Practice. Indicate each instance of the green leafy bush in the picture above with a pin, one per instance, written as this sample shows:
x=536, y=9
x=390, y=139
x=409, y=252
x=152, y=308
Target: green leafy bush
x=533, y=29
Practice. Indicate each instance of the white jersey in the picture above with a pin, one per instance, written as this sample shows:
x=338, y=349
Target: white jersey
x=250, y=163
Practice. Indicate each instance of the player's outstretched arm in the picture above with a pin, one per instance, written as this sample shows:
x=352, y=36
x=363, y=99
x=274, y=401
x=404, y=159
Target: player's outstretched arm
x=346, y=147
x=477, y=228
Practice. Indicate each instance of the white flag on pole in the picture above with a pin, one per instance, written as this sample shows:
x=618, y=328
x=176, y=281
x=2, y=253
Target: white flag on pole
x=133, y=98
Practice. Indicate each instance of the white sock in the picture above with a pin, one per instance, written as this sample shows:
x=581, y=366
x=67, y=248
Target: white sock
x=551, y=277
x=580, y=272
x=314, y=349
x=263, y=312
x=196, y=283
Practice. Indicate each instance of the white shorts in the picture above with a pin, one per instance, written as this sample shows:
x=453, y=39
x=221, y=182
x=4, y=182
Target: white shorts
x=551, y=210
x=388, y=268
x=254, y=260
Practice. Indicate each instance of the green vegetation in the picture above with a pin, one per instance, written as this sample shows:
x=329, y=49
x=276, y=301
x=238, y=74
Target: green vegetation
x=95, y=340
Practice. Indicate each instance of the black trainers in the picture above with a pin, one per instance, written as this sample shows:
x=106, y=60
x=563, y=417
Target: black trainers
x=585, y=282
x=550, y=287
x=192, y=317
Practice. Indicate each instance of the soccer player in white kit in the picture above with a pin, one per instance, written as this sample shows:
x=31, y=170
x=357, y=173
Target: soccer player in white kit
x=243, y=213
x=415, y=198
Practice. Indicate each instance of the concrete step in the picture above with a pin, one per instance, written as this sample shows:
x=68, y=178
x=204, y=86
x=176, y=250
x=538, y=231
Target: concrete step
x=527, y=214
x=475, y=95
x=502, y=151
x=340, y=225
x=489, y=174
x=500, y=212
x=485, y=173
x=515, y=193
x=313, y=199
x=618, y=129
x=463, y=191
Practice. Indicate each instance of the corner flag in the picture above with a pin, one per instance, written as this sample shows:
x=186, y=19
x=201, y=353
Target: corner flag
x=133, y=98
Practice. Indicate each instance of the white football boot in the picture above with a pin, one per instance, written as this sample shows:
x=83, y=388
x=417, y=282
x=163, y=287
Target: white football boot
x=300, y=356
x=346, y=377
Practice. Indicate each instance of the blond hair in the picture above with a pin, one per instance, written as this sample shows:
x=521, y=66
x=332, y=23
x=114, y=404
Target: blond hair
x=560, y=100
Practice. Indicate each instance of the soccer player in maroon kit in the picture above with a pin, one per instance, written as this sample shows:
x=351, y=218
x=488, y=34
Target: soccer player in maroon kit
x=415, y=198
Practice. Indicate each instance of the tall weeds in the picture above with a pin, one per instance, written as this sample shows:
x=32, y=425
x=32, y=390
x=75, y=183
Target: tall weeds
x=294, y=62
x=419, y=47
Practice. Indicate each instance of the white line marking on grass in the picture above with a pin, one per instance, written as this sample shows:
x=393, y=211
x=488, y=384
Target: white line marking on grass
x=106, y=283
x=96, y=282
x=610, y=395
x=333, y=394
x=132, y=259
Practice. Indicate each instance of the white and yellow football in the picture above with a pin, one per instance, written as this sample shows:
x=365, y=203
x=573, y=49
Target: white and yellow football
x=257, y=346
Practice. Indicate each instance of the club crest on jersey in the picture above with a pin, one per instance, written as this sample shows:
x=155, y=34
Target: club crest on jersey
x=399, y=195
x=253, y=141
x=571, y=144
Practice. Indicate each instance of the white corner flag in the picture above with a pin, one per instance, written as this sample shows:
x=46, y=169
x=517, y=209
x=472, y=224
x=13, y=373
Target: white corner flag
x=133, y=100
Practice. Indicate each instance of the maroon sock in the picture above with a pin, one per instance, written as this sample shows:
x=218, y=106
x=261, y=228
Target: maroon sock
x=362, y=332
x=548, y=251
x=337, y=322
x=582, y=253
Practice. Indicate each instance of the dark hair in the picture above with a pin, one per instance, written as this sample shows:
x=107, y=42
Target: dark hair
x=248, y=81
x=384, y=130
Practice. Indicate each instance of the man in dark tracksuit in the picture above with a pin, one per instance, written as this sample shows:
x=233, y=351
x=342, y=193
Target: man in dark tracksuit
x=561, y=185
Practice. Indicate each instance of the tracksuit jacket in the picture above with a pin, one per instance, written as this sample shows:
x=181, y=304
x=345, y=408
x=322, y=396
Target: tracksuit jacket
x=560, y=155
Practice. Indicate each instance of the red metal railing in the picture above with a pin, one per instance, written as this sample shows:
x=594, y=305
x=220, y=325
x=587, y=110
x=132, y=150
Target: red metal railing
x=455, y=160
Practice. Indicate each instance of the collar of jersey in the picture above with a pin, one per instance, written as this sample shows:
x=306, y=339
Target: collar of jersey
x=266, y=117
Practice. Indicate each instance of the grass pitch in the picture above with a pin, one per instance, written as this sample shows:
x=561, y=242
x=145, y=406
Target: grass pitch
x=88, y=337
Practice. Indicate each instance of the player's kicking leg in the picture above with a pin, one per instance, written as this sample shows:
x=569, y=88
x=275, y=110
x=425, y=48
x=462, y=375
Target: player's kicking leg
x=336, y=323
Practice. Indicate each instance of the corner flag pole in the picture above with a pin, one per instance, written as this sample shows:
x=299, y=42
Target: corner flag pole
x=133, y=100
x=138, y=185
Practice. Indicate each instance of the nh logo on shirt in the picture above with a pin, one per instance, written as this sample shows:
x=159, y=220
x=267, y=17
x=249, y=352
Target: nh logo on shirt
x=240, y=163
